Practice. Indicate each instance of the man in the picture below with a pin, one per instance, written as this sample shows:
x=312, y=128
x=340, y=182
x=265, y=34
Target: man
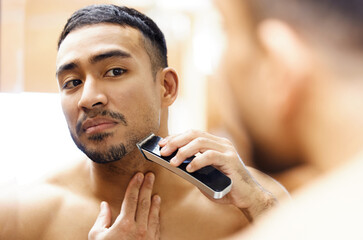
x=295, y=71
x=116, y=87
x=271, y=108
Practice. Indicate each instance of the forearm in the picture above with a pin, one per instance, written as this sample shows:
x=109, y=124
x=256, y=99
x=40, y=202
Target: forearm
x=265, y=195
x=261, y=205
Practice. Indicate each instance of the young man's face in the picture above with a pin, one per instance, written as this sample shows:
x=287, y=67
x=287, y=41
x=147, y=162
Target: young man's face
x=109, y=96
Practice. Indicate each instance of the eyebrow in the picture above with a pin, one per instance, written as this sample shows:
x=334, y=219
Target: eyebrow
x=95, y=59
x=109, y=54
x=66, y=67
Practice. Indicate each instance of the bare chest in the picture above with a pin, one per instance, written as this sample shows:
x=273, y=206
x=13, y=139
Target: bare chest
x=180, y=221
x=201, y=221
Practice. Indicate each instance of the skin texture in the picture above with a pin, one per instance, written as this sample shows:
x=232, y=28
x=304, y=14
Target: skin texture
x=82, y=106
x=137, y=220
x=300, y=97
x=220, y=153
x=131, y=197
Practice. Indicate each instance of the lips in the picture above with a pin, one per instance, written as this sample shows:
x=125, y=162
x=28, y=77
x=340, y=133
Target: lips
x=91, y=126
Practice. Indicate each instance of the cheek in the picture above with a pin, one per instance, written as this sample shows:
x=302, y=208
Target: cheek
x=133, y=97
x=138, y=102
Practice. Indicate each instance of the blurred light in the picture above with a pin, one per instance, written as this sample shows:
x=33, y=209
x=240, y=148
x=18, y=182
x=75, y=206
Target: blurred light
x=176, y=26
x=184, y=5
x=208, y=43
x=134, y=3
x=34, y=137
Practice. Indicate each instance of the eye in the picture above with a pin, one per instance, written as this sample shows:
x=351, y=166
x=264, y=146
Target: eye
x=115, y=72
x=72, y=84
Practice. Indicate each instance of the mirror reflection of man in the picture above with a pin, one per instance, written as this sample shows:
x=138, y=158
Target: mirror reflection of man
x=295, y=72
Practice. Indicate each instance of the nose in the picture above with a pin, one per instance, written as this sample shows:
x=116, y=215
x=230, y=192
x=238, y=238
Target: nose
x=92, y=96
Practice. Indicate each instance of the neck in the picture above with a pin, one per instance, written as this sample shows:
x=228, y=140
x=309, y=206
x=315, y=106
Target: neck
x=109, y=181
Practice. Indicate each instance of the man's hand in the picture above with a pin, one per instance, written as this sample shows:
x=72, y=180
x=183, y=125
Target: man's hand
x=139, y=216
x=246, y=193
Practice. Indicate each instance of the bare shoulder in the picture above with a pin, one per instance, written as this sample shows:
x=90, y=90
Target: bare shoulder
x=25, y=209
x=8, y=212
x=270, y=184
x=29, y=209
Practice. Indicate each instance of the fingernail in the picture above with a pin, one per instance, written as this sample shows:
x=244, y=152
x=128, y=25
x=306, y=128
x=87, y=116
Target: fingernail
x=189, y=168
x=157, y=199
x=150, y=177
x=162, y=141
x=103, y=205
x=139, y=177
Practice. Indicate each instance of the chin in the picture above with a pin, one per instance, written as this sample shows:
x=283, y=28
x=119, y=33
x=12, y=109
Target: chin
x=112, y=154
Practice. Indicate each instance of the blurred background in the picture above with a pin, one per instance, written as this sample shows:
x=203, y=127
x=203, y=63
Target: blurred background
x=34, y=136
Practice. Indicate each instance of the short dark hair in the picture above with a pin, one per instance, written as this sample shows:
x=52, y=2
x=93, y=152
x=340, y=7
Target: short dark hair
x=154, y=40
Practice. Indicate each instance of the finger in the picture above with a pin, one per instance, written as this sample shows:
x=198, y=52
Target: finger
x=180, y=140
x=143, y=207
x=129, y=204
x=197, y=145
x=209, y=157
x=157, y=233
x=154, y=216
x=167, y=150
x=104, y=217
x=163, y=141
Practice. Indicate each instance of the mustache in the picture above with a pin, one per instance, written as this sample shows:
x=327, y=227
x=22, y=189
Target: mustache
x=92, y=114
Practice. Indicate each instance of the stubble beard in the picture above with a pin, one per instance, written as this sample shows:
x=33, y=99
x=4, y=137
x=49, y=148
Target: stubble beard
x=111, y=154
x=107, y=154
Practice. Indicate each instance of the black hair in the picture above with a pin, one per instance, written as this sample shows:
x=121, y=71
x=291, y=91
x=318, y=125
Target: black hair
x=154, y=43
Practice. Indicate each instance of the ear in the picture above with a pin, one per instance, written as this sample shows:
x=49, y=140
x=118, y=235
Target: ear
x=169, y=83
x=291, y=64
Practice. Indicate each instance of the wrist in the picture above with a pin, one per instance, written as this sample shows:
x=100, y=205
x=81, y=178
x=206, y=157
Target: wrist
x=263, y=202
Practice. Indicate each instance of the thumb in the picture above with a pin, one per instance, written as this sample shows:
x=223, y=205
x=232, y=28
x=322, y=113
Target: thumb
x=104, y=217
